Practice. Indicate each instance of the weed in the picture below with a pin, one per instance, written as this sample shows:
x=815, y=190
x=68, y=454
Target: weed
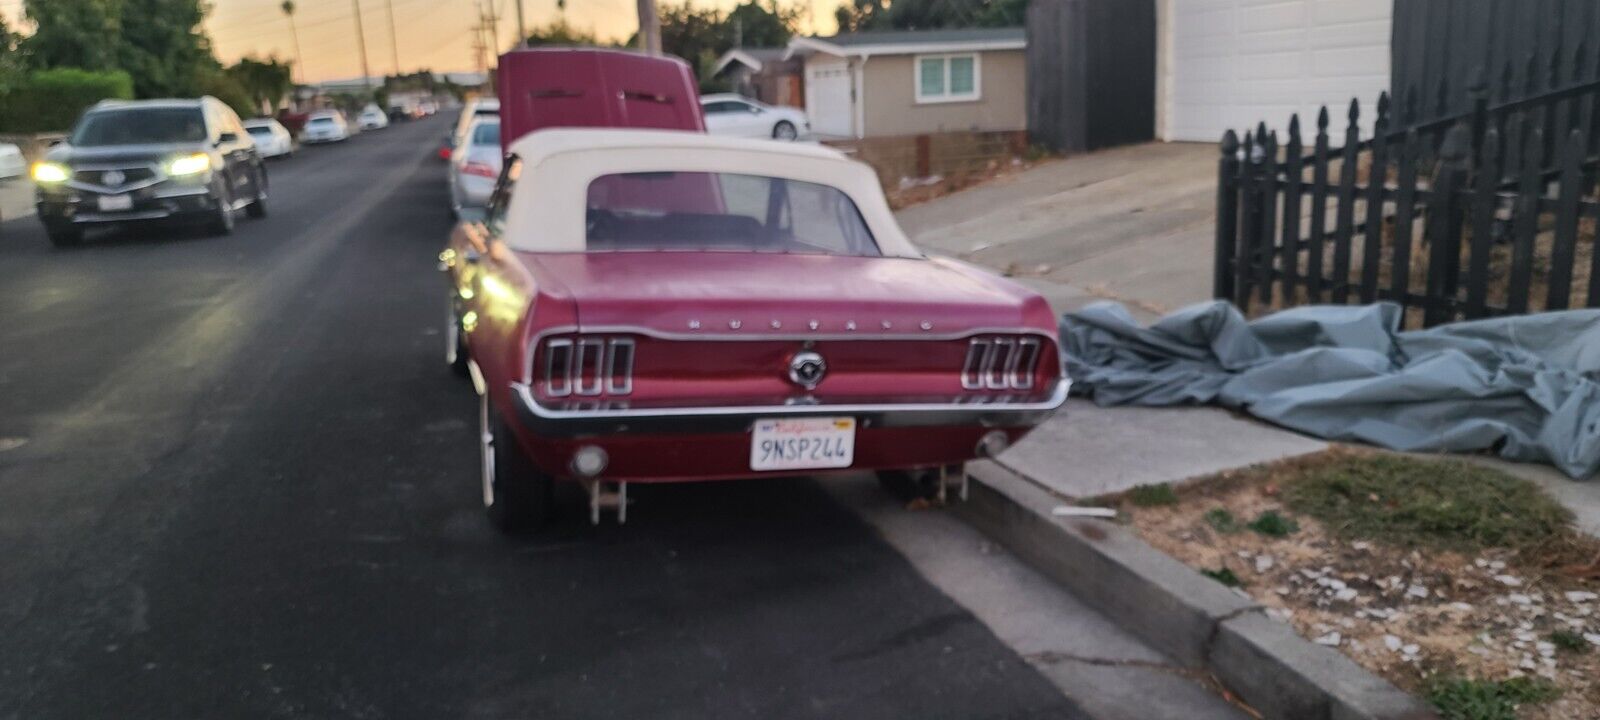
x=1461, y=699
x=1222, y=521
x=1222, y=575
x=1569, y=641
x=1153, y=495
x=1271, y=524
x=1412, y=502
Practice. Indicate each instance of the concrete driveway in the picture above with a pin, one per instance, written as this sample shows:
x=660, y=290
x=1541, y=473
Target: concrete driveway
x=1132, y=224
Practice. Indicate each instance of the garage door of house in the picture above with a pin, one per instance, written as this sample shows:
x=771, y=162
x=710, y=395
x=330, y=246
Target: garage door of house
x=830, y=103
x=1233, y=63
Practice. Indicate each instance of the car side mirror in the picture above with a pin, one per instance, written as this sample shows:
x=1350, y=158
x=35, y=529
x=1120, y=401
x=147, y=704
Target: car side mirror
x=226, y=138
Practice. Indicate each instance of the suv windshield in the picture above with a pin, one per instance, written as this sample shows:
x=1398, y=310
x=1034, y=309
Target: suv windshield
x=690, y=211
x=135, y=126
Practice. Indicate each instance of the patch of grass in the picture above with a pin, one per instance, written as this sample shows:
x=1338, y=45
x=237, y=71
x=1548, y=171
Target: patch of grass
x=1272, y=524
x=1461, y=699
x=1413, y=502
x=1222, y=575
x=1569, y=641
x=1153, y=495
x=1222, y=521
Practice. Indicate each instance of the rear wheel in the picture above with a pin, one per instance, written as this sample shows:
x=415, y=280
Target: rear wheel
x=516, y=496
x=784, y=130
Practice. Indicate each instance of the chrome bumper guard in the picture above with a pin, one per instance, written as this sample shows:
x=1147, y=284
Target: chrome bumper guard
x=560, y=423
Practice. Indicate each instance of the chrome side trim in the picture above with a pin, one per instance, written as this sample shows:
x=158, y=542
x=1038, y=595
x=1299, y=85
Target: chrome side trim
x=591, y=351
x=1025, y=365
x=551, y=372
x=605, y=420
x=971, y=376
x=795, y=336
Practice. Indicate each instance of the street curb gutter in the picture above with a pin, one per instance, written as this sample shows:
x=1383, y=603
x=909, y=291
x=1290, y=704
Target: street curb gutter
x=1191, y=618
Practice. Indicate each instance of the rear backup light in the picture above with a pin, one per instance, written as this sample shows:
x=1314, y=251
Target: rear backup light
x=587, y=366
x=1000, y=363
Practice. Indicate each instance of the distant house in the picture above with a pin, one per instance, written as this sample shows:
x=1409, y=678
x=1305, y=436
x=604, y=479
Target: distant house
x=887, y=83
x=765, y=74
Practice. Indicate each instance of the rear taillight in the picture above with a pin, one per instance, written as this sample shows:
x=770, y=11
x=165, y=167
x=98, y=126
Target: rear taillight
x=1000, y=363
x=479, y=169
x=590, y=365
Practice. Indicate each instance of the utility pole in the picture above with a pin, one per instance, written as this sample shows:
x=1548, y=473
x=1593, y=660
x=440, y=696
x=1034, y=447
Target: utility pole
x=361, y=44
x=394, y=44
x=522, y=30
x=649, y=28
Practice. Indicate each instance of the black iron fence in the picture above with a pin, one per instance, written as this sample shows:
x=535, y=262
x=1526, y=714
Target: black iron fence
x=1487, y=213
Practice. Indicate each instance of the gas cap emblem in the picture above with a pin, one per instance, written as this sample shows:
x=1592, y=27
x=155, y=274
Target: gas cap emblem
x=806, y=369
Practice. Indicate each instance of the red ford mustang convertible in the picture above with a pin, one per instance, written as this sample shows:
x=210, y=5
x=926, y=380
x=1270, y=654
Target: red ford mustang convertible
x=653, y=306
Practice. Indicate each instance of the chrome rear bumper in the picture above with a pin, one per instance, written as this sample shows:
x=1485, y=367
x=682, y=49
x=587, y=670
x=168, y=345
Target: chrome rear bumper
x=566, y=423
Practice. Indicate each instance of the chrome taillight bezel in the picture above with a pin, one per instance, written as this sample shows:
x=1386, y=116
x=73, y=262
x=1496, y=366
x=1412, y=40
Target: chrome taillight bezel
x=586, y=366
x=1000, y=363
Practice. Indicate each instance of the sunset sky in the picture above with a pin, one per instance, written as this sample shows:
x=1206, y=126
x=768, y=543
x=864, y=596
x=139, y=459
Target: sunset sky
x=434, y=34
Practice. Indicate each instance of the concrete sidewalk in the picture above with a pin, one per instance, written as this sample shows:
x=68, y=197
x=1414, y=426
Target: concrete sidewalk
x=16, y=198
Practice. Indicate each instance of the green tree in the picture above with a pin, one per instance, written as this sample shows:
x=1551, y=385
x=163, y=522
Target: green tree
x=859, y=15
x=11, y=69
x=561, y=33
x=266, y=82
x=163, y=47
x=73, y=33
x=755, y=25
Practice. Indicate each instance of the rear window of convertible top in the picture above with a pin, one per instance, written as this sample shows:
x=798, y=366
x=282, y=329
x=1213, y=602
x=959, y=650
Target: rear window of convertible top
x=700, y=211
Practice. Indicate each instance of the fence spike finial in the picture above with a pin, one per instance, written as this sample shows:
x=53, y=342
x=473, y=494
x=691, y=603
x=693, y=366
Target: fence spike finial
x=1355, y=110
x=1383, y=105
x=1261, y=131
x=1294, y=127
x=1322, y=120
x=1230, y=143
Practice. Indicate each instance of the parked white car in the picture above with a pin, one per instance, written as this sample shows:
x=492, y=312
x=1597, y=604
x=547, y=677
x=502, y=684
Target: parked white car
x=475, y=164
x=325, y=126
x=739, y=116
x=11, y=162
x=372, y=118
x=272, y=138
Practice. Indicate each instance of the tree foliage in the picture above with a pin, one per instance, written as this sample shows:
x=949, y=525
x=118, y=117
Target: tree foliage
x=560, y=33
x=701, y=35
x=50, y=100
x=265, y=82
x=859, y=15
x=159, y=43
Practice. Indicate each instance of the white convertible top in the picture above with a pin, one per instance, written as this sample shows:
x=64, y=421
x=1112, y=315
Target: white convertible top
x=546, y=212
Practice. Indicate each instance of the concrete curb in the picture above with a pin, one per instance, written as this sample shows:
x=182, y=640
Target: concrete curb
x=1191, y=618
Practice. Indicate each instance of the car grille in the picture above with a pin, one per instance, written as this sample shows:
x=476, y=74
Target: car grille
x=129, y=176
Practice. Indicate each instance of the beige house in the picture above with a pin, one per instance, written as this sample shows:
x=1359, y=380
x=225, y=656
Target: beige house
x=880, y=84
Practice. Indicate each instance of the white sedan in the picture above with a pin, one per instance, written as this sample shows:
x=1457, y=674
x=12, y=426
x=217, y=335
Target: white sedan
x=11, y=162
x=738, y=116
x=372, y=118
x=272, y=138
x=325, y=127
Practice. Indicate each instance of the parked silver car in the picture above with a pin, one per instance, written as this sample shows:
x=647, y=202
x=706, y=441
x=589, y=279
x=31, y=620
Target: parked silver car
x=475, y=164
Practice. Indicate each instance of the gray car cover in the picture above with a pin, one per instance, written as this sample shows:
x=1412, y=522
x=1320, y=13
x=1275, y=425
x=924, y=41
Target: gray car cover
x=1527, y=386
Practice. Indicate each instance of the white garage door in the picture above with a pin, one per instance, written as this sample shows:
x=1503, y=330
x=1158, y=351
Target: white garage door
x=1233, y=63
x=829, y=99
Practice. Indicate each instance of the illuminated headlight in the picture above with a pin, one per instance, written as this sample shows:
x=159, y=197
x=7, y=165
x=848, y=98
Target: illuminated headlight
x=49, y=172
x=189, y=165
x=589, y=461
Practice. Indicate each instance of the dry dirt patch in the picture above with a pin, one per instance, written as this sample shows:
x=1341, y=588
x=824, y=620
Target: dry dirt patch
x=1461, y=584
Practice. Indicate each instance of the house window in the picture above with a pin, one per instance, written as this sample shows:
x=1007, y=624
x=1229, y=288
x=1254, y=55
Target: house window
x=947, y=78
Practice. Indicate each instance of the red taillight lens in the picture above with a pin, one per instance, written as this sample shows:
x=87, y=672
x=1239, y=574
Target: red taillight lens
x=444, y=152
x=479, y=169
x=587, y=366
x=1000, y=363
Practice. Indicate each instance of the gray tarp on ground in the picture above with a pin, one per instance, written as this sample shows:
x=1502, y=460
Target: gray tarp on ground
x=1529, y=385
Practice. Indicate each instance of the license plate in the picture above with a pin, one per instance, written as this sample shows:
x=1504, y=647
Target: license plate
x=113, y=203
x=803, y=443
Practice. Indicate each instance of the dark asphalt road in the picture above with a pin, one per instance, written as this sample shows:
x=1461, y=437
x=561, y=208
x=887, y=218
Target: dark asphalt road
x=247, y=488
